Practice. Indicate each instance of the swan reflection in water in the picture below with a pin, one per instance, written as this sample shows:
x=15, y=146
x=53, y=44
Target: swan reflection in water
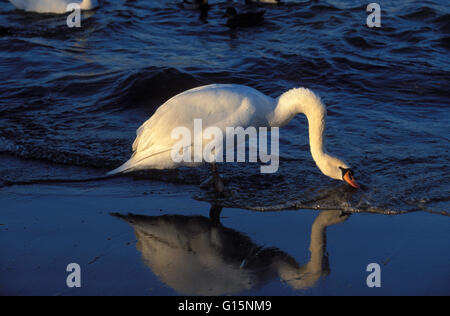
x=196, y=255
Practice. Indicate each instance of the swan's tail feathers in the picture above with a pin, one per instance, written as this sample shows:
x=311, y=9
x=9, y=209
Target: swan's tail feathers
x=126, y=167
x=141, y=160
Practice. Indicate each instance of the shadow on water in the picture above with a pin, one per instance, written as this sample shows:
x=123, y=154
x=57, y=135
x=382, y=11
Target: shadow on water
x=196, y=255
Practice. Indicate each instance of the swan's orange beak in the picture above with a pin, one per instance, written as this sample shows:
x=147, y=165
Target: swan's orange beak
x=348, y=177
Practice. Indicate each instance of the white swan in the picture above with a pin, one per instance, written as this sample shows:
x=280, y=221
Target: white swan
x=52, y=6
x=263, y=1
x=230, y=105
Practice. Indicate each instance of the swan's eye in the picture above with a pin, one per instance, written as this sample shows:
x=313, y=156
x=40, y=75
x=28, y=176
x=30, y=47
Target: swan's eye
x=344, y=171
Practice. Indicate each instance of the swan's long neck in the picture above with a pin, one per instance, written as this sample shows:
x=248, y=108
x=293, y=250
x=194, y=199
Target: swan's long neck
x=308, y=274
x=304, y=101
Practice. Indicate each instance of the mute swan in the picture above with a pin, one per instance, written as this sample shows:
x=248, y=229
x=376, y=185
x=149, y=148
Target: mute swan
x=231, y=105
x=52, y=6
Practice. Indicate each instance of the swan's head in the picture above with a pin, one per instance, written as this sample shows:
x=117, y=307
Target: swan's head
x=348, y=176
x=340, y=171
x=337, y=169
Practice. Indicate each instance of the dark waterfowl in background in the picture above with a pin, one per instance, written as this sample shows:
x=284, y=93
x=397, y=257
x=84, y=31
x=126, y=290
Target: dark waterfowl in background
x=247, y=19
x=200, y=5
x=196, y=4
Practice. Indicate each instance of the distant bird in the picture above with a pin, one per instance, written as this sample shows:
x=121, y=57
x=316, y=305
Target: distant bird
x=52, y=6
x=263, y=1
x=200, y=5
x=196, y=5
x=243, y=19
x=231, y=105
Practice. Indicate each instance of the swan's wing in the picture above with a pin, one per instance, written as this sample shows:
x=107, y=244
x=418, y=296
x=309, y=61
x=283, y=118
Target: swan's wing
x=215, y=105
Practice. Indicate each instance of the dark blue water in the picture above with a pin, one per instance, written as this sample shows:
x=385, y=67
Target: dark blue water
x=73, y=98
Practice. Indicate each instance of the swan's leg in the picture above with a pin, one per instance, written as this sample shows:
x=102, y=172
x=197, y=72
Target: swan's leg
x=217, y=181
x=214, y=214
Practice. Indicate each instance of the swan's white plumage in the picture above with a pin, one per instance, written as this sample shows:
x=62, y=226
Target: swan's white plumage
x=228, y=105
x=217, y=105
x=52, y=6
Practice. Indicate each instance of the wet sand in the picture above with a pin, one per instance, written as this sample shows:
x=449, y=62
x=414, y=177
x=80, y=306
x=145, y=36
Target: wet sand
x=170, y=246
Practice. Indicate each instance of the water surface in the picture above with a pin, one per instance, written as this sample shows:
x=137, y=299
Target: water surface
x=72, y=99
